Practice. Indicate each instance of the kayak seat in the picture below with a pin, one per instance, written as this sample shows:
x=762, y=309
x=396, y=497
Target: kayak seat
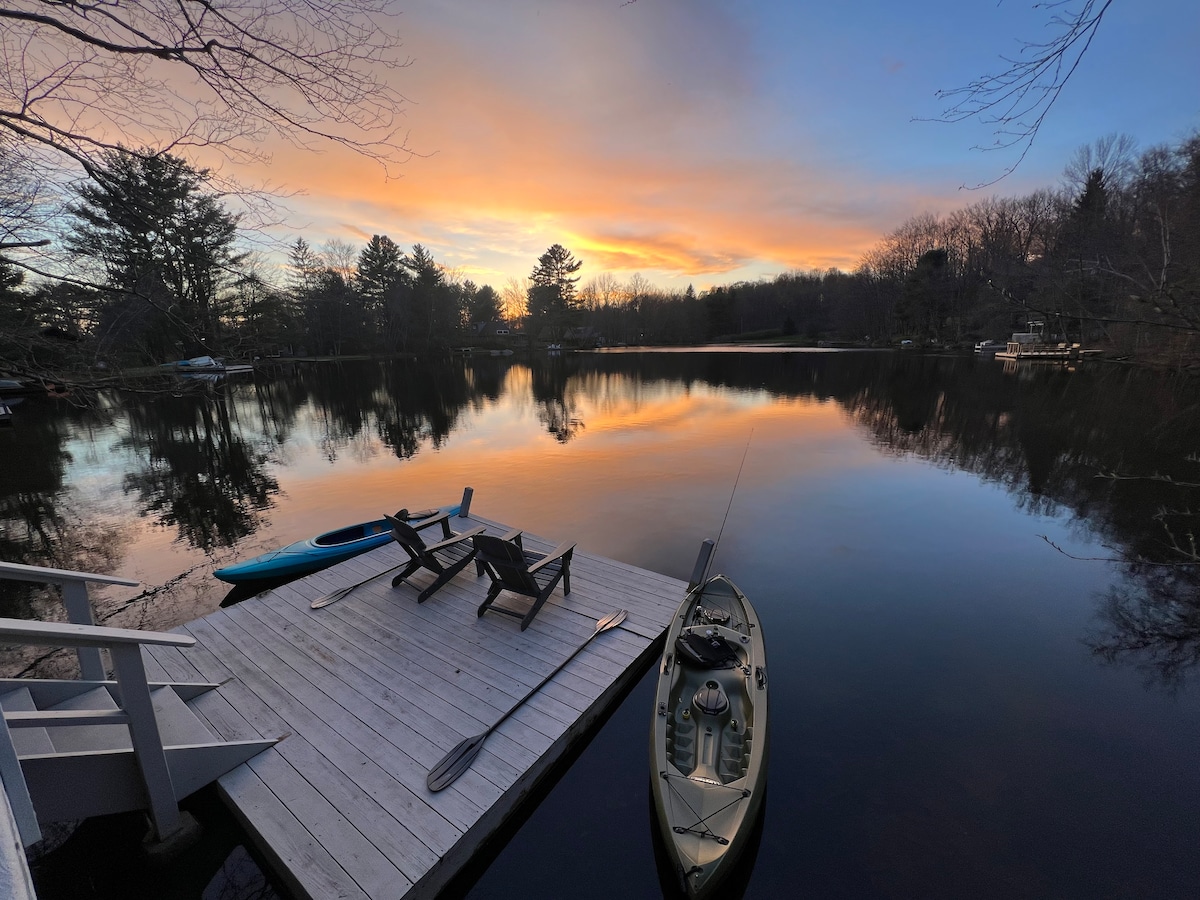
x=517, y=570
x=709, y=732
x=706, y=651
x=444, y=558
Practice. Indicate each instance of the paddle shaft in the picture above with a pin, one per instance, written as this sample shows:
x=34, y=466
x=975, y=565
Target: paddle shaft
x=334, y=596
x=541, y=684
x=459, y=759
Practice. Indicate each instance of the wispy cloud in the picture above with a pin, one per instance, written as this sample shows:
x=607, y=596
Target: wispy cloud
x=657, y=138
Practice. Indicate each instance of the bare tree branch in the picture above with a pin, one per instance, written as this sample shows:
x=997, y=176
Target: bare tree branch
x=82, y=77
x=1017, y=100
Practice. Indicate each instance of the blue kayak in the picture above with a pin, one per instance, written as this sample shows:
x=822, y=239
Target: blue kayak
x=317, y=552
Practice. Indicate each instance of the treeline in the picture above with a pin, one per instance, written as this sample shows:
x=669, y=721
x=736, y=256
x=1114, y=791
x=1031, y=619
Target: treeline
x=158, y=271
x=1112, y=257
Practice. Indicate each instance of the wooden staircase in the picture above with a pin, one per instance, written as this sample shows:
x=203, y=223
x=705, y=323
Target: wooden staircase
x=71, y=749
x=73, y=743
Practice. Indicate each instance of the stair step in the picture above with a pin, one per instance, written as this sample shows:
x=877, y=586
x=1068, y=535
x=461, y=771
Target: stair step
x=177, y=724
x=26, y=741
x=75, y=738
x=80, y=785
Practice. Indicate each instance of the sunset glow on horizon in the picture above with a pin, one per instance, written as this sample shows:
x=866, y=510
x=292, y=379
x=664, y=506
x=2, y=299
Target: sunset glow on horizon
x=699, y=144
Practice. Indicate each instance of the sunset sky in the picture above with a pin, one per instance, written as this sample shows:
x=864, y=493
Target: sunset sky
x=706, y=142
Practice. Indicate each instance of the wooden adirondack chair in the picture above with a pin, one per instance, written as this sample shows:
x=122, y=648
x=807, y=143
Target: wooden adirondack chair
x=445, y=558
x=512, y=568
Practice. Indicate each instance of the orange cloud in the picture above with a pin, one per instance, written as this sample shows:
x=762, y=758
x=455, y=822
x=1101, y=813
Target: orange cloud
x=632, y=165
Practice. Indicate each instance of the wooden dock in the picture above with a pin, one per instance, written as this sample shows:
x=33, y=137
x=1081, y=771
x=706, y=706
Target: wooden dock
x=375, y=689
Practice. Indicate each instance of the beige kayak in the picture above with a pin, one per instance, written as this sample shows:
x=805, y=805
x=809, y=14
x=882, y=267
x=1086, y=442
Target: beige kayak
x=708, y=743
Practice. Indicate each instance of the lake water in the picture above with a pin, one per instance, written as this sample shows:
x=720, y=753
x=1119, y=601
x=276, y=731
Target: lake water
x=981, y=686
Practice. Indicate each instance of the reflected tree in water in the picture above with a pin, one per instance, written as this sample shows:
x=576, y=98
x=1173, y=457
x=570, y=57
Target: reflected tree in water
x=44, y=523
x=1155, y=626
x=41, y=523
x=401, y=402
x=555, y=394
x=419, y=403
x=1054, y=438
x=199, y=475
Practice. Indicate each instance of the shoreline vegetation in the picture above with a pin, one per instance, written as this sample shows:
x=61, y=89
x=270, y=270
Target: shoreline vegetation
x=134, y=378
x=154, y=267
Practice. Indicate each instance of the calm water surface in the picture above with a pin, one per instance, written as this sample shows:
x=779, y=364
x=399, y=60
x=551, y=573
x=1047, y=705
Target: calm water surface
x=977, y=690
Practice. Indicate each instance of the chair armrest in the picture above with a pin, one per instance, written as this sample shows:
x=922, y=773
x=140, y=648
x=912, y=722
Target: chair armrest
x=455, y=538
x=515, y=537
x=563, y=549
x=443, y=517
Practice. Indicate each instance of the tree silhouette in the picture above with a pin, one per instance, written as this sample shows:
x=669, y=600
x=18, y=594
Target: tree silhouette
x=1017, y=100
x=552, y=290
x=156, y=234
x=213, y=73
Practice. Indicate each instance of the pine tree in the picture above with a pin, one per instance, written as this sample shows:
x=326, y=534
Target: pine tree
x=380, y=281
x=159, y=238
x=552, y=292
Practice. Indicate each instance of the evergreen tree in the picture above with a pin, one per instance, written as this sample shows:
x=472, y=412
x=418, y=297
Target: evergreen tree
x=925, y=298
x=163, y=244
x=305, y=265
x=552, y=291
x=436, y=306
x=1088, y=246
x=333, y=316
x=380, y=282
x=483, y=305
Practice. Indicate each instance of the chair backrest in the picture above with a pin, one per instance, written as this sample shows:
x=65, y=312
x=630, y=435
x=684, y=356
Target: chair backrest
x=507, y=563
x=407, y=537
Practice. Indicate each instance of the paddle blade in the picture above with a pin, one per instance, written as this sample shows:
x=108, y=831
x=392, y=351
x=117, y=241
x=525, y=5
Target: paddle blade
x=455, y=762
x=331, y=598
x=612, y=620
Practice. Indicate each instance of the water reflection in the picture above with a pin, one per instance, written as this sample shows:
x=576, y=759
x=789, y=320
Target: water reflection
x=206, y=465
x=1153, y=624
x=197, y=474
x=40, y=523
x=932, y=686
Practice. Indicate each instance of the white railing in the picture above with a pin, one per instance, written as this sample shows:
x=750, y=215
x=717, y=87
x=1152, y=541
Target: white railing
x=75, y=599
x=133, y=690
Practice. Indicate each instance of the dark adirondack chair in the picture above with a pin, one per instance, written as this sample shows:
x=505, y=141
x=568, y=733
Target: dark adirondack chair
x=445, y=558
x=512, y=568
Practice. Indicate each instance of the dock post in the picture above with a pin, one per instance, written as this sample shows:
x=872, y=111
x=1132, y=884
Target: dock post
x=465, y=509
x=701, y=568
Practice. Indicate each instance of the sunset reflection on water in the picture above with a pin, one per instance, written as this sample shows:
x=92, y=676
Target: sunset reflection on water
x=935, y=695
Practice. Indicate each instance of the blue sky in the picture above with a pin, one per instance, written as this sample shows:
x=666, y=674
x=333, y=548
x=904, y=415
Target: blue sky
x=703, y=142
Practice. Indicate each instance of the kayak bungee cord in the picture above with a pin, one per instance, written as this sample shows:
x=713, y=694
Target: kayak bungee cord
x=742, y=794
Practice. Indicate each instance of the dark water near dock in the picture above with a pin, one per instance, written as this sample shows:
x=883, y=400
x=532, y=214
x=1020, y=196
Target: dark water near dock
x=982, y=687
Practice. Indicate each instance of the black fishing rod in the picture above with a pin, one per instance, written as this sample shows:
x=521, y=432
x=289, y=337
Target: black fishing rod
x=708, y=550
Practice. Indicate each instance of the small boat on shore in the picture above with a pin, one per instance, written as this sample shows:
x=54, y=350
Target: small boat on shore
x=989, y=346
x=318, y=552
x=206, y=365
x=708, y=740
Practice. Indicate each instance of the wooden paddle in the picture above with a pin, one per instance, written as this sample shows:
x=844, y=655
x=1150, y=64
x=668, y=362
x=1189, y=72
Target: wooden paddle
x=337, y=595
x=460, y=758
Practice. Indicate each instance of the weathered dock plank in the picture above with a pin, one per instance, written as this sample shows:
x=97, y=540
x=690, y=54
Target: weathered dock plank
x=372, y=691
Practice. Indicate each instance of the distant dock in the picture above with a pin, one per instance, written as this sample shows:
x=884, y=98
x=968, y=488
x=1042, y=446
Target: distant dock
x=372, y=691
